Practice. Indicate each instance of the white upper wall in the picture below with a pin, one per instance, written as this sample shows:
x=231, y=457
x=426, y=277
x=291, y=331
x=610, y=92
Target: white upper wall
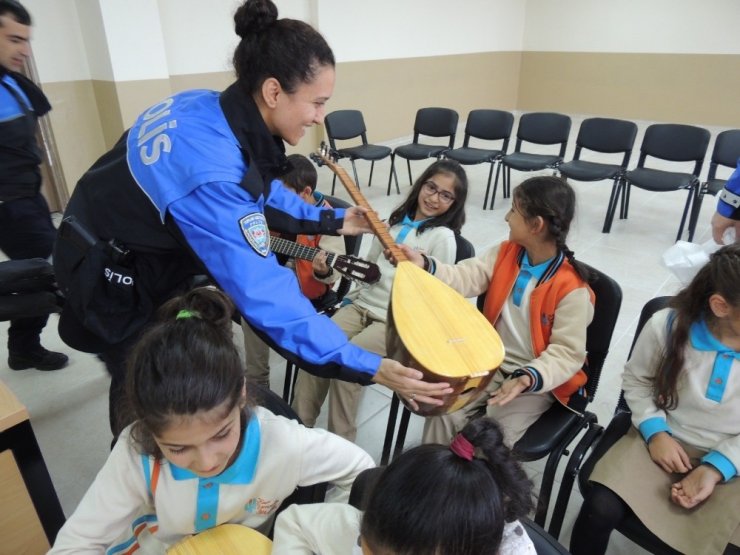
x=654, y=26
x=56, y=40
x=388, y=29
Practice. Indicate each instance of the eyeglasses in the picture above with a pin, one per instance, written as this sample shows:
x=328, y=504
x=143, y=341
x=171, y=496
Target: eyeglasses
x=430, y=188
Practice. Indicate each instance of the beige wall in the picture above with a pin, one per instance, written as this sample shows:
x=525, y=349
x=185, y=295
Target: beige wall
x=680, y=88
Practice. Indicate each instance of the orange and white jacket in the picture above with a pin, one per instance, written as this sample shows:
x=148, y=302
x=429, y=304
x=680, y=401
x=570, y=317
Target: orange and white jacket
x=560, y=310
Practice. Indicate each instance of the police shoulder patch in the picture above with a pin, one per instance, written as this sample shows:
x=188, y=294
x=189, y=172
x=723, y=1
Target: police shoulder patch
x=254, y=229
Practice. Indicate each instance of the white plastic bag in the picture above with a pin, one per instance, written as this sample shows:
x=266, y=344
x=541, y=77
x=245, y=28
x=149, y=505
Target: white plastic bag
x=685, y=259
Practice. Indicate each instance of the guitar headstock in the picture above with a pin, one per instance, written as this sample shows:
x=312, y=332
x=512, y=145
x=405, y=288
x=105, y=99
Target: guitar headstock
x=325, y=156
x=356, y=269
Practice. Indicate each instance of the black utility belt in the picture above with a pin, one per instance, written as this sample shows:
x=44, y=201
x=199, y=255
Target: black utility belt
x=74, y=231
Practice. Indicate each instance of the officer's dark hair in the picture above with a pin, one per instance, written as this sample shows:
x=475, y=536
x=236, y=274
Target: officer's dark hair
x=185, y=363
x=302, y=174
x=16, y=10
x=431, y=500
x=289, y=50
x=454, y=218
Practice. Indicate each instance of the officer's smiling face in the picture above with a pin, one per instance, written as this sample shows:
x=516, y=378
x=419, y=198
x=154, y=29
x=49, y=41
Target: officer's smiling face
x=305, y=107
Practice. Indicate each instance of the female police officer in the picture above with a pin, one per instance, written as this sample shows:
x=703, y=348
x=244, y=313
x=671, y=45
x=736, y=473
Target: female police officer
x=190, y=188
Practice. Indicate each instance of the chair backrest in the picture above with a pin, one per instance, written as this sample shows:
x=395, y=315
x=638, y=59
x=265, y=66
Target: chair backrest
x=726, y=151
x=489, y=125
x=543, y=128
x=342, y=125
x=607, y=135
x=436, y=122
x=608, y=301
x=465, y=248
x=351, y=246
x=676, y=143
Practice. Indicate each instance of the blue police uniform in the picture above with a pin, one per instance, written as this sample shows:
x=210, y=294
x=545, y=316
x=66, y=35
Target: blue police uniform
x=191, y=189
x=728, y=204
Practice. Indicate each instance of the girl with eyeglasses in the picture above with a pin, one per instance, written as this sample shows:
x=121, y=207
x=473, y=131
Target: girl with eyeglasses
x=427, y=222
x=537, y=298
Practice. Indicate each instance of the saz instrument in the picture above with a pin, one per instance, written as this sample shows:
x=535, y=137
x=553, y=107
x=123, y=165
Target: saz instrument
x=227, y=539
x=350, y=266
x=431, y=327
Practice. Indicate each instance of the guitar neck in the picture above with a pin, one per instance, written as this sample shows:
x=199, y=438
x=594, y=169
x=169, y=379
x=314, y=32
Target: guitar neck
x=378, y=227
x=294, y=250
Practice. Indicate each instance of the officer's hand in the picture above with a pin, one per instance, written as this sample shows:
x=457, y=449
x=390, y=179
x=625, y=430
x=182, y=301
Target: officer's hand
x=355, y=221
x=407, y=383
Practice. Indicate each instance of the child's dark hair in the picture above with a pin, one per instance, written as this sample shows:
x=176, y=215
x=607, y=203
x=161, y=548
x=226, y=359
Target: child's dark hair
x=185, y=363
x=289, y=50
x=720, y=275
x=302, y=174
x=431, y=500
x=16, y=11
x=554, y=200
x=454, y=218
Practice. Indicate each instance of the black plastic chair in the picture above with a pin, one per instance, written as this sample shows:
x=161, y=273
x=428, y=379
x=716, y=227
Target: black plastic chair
x=726, y=152
x=605, y=135
x=465, y=250
x=554, y=431
x=430, y=122
x=600, y=441
x=343, y=125
x=487, y=125
x=363, y=485
x=542, y=128
x=352, y=246
x=665, y=141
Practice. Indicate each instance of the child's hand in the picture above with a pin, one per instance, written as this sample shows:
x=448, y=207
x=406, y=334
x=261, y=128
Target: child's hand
x=510, y=390
x=319, y=264
x=668, y=454
x=411, y=254
x=697, y=486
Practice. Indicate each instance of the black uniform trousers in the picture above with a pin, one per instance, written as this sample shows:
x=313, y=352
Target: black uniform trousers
x=26, y=231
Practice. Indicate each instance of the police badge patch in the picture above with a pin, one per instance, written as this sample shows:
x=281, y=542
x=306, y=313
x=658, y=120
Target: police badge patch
x=254, y=228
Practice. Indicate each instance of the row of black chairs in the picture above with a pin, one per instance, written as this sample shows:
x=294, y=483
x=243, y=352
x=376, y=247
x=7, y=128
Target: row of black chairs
x=668, y=142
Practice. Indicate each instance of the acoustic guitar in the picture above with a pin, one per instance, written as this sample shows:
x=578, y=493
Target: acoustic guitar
x=431, y=327
x=227, y=539
x=350, y=266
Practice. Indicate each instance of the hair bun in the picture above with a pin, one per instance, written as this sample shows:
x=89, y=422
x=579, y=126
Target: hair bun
x=254, y=16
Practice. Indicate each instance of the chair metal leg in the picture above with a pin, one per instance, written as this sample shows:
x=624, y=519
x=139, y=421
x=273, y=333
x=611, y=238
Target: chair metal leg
x=507, y=183
x=495, y=185
x=333, y=183
x=403, y=427
x=290, y=369
x=625, y=201
x=611, y=208
x=408, y=165
x=389, y=430
x=695, y=210
x=393, y=174
x=370, y=181
x=571, y=471
x=488, y=185
x=686, y=208
x=354, y=170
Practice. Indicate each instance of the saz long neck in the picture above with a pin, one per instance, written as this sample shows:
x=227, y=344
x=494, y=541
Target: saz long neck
x=379, y=228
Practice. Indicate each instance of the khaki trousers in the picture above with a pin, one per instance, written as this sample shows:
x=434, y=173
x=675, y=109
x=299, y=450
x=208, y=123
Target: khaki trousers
x=514, y=417
x=257, y=354
x=364, y=330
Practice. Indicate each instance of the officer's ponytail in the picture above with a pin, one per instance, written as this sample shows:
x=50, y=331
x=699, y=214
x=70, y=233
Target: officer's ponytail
x=289, y=50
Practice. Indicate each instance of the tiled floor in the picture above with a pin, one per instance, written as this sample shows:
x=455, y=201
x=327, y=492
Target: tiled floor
x=69, y=408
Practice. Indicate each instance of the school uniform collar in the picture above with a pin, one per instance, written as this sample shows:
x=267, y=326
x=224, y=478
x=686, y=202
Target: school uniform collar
x=242, y=469
x=262, y=150
x=407, y=224
x=553, y=264
x=703, y=340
